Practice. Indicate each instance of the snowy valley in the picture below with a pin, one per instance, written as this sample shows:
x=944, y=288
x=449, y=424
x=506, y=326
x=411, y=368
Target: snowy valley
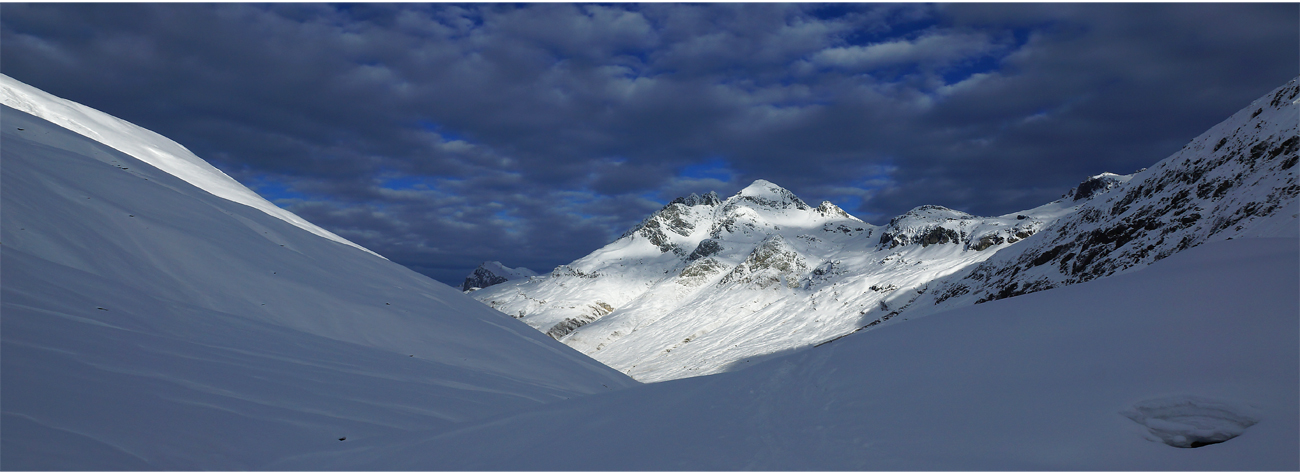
x=158, y=315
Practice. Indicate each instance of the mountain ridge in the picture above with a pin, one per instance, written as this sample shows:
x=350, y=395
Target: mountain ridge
x=761, y=238
x=769, y=260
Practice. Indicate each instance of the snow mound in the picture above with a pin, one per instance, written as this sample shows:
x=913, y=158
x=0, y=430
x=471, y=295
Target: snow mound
x=1191, y=422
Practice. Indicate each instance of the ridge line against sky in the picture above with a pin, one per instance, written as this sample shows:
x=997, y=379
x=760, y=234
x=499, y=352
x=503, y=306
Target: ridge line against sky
x=444, y=135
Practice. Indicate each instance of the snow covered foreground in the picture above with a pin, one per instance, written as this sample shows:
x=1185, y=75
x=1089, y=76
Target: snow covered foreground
x=149, y=324
x=1204, y=343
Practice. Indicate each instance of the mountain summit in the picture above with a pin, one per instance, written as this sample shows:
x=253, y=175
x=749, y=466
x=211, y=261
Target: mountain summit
x=491, y=273
x=703, y=286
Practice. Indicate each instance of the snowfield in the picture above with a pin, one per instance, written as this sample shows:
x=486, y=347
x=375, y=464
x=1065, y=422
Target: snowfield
x=1205, y=341
x=150, y=323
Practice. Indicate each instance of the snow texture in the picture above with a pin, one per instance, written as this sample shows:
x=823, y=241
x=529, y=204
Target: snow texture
x=152, y=325
x=1207, y=342
x=148, y=147
x=148, y=324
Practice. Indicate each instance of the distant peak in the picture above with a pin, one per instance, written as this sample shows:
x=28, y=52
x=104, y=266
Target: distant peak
x=709, y=199
x=760, y=186
x=493, y=272
x=768, y=194
x=931, y=209
x=924, y=214
x=1095, y=185
x=829, y=209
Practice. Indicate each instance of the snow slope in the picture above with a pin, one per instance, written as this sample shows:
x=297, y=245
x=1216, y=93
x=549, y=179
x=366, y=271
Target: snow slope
x=149, y=324
x=1238, y=179
x=146, y=146
x=1092, y=376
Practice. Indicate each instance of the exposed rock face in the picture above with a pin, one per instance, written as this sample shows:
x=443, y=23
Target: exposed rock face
x=707, y=247
x=1239, y=172
x=493, y=273
x=772, y=262
x=829, y=209
x=675, y=218
x=1096, y=185
x=938, y=225
x=481, y=278
x=595, y=310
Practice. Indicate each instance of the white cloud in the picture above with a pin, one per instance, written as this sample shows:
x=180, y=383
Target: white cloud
x=932, y=49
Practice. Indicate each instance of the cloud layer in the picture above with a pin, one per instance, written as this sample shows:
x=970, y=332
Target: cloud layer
x=444, y=135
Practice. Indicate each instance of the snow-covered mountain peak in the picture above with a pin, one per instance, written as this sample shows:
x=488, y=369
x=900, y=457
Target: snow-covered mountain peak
x=1096, y=185
x=830, y=210
x=929, y=212
x=492, y=273
x=926, y=225
x=708, y=199
x=763, y=193
x=762, y=272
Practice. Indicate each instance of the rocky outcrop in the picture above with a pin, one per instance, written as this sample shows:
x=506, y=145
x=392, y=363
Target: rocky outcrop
x=1241, y=171
x=593, y=312
x=493, y=273
x=771, y=263
x=481, y=278
x=674, y=218
x=1096, y=185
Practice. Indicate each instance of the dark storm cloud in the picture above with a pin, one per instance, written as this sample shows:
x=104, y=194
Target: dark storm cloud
x=444, y=135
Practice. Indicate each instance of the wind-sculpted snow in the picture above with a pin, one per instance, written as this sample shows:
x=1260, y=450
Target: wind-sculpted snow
x=148, y=324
